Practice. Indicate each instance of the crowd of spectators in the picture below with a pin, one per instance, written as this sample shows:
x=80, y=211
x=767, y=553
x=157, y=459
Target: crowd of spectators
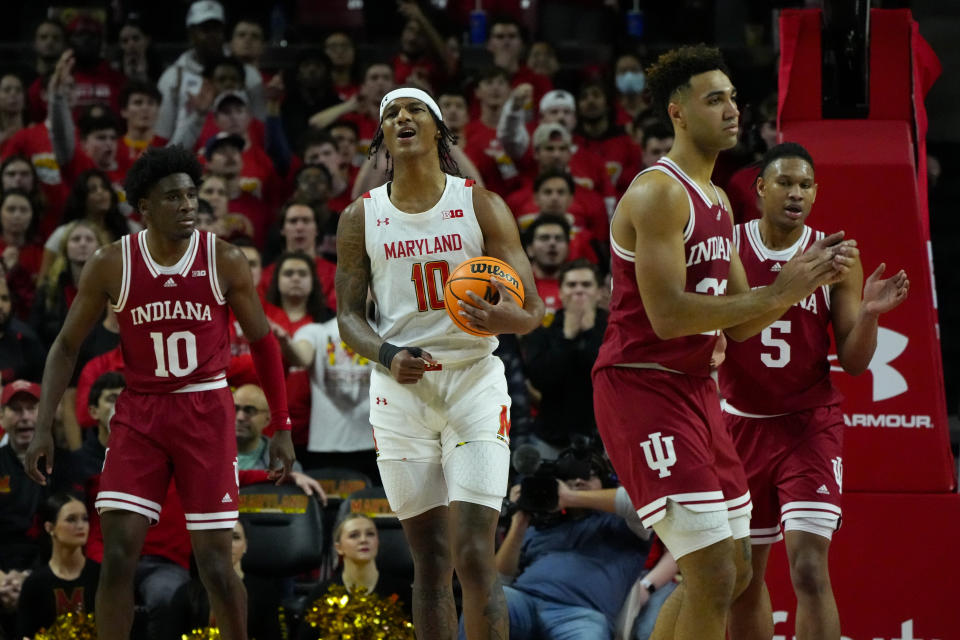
x=285, y=149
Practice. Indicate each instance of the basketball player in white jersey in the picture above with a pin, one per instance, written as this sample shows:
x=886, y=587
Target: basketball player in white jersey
x=438, y=402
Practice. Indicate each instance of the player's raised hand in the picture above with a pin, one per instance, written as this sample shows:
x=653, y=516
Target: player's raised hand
x=504, y=317
x=281, y=456
x=880, y=296
x=409, y=365
x=40, y=447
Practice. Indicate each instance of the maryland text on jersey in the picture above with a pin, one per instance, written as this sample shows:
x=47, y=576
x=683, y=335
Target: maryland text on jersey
x=422, y=246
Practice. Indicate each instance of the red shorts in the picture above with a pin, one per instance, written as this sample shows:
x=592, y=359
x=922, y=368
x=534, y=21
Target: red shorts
x=665, y=436
x=191, y=436
x=794, y=465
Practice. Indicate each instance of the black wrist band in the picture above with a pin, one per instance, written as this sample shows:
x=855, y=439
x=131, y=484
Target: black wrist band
x=387, y=352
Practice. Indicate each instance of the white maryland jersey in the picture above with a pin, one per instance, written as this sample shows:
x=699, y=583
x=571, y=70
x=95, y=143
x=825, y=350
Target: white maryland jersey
x=411, y=255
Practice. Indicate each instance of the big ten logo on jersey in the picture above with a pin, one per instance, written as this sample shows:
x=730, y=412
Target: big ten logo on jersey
x=503, y=433
x=659, y=452
x=453, y=213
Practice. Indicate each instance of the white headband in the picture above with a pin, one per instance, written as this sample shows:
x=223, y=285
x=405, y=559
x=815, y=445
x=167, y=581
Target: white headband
x=410, y=92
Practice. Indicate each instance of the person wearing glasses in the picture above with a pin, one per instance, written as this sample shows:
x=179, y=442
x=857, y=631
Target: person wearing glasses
x=253, y=415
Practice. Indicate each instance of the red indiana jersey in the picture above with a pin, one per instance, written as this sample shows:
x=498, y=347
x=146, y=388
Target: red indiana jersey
x=174, y=321
x=630, y=338
x=784, y=368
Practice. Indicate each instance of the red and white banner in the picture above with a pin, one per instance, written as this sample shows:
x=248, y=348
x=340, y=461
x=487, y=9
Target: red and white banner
x=897, y=437
x=892, y=564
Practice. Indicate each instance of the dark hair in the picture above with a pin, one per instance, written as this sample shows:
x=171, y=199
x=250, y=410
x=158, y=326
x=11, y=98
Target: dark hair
x=51, y=507
x=95, y=120
x=543, y=219
x=339, y=124
x=453, y=90
x=75, y=208
x=37, y=197
x=316, y=307
x=446, y=141
x=550, y=174
x=139, y=86
x=318, y=167
x=154, y=165
x=249, y=20
x=374, y=63
x=108, y=380
x=657, y=130
x=492, y=72
x=784, y=150
x=316, y=207
x=230, y=61
x=316, y=137
x=508, y=20
x=56, y=23
x=672, y=71
x=34, y=215
x=579, y=263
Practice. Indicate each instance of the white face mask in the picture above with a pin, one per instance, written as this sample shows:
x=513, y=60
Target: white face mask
x=631, y=82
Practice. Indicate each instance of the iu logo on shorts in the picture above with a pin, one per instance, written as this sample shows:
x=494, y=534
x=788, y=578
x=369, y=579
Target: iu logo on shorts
x=838, y=471
x=659, y=453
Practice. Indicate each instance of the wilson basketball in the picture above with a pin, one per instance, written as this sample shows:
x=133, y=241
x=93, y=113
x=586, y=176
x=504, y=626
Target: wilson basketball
x=474, y=275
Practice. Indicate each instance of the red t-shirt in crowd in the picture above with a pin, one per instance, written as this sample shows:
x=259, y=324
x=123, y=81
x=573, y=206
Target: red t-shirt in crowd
x=498, y=170
x=587, y=210
x=426, y=66
x=100, y=85
x=256, y=132
x=33, y=143
x=135, y=148
x=549, y=291
x=257, y=212
x=118, y=173
x=621, y=156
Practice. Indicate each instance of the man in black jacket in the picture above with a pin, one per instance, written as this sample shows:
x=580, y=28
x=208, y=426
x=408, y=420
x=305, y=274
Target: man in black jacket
x=558, y=360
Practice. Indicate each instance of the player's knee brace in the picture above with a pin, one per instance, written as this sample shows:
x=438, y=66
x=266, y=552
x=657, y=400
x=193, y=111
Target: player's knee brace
x=476, y=472
x=412, y=487
x=820, y=526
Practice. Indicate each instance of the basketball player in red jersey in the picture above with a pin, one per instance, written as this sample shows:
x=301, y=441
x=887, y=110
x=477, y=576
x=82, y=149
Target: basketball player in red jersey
x=676, y=282
x=438, y=406
x=781, y=408
x=169, y=286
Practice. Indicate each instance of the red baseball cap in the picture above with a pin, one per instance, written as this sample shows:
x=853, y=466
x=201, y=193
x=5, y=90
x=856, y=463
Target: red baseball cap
x=19, y=386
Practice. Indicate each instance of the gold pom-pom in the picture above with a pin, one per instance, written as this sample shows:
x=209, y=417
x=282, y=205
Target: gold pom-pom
x=341, y=615
x=207, y=633
x=70, y=626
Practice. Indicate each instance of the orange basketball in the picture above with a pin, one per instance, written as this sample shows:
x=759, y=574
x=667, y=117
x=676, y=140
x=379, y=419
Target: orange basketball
x=474, y=275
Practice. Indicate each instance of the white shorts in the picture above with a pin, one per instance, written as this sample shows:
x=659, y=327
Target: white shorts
x=427, y=436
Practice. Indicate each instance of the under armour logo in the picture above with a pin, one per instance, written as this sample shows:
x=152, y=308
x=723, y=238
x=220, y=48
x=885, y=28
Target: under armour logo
x=659, y=453
x=381, y=400
x=383, y=221
x=838, y=472
x=887, y=381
